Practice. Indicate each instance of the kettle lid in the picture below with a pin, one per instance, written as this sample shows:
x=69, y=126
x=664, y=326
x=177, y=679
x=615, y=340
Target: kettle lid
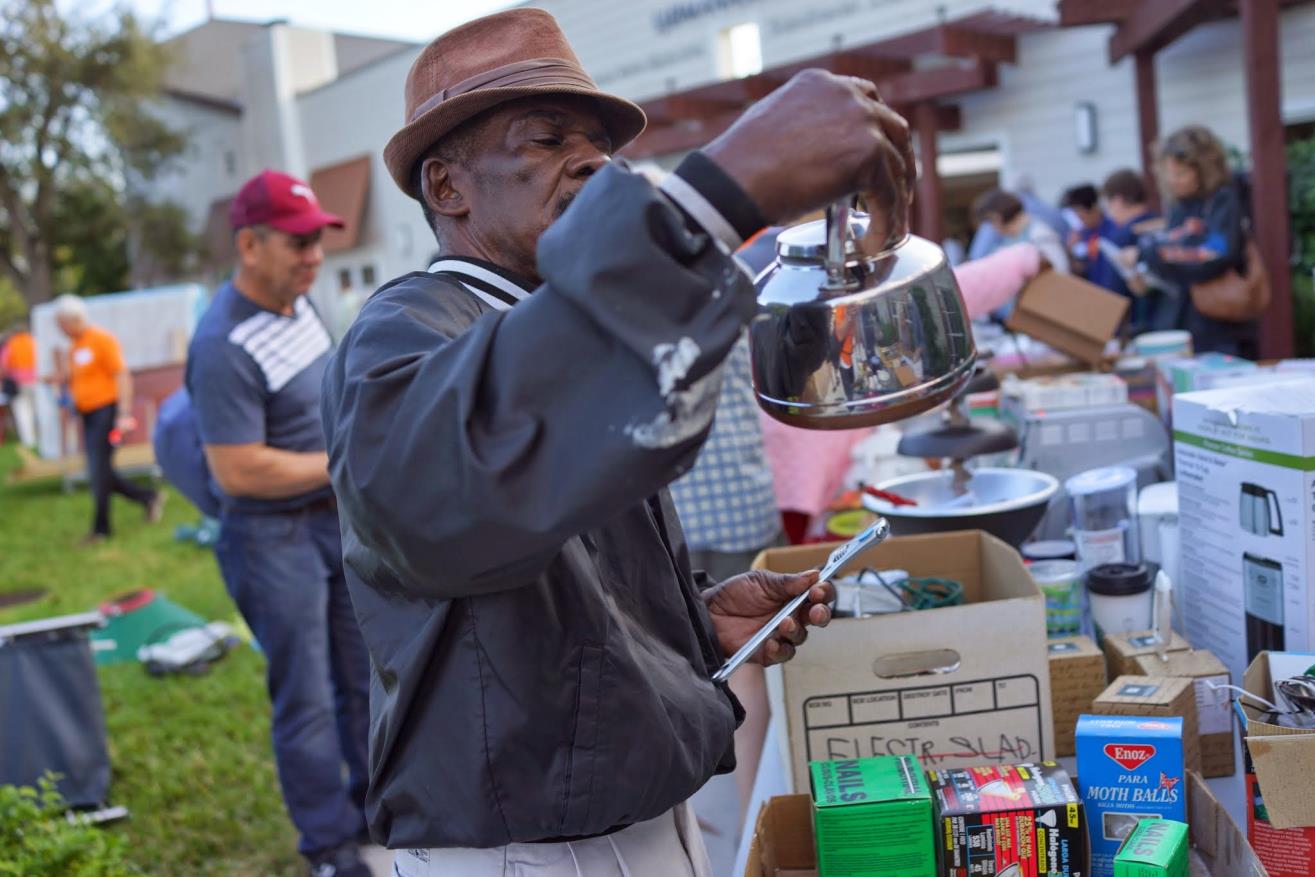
x=807, y=241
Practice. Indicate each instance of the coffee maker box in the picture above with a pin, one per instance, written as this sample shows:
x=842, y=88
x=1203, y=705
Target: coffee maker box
x=1123, y=649
x=1214, y=717
x=1077, y=677
x=1245, y=461
x=1156, y=697
x=1130, y=768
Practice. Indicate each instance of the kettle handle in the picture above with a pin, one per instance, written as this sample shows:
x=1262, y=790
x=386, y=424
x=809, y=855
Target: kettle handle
x=837, y=234
x=1278, y=513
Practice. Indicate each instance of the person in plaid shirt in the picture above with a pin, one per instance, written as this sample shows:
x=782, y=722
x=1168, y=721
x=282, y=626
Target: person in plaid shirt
x=727, y=503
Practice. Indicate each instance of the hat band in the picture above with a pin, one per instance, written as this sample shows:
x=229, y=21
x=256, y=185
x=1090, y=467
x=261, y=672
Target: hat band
x=538, y=71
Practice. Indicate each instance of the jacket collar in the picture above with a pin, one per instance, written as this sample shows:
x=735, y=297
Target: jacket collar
x=496, y=286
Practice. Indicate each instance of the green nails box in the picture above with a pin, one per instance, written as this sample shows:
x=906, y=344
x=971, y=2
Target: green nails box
x=873, y=818
x=1155, y=848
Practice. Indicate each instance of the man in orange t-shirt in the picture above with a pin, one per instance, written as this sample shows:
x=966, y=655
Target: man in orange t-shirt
x=18, y=375
x=101, y=387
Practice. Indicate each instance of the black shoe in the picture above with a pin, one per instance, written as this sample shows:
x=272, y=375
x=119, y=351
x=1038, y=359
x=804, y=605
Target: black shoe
x=342, y=861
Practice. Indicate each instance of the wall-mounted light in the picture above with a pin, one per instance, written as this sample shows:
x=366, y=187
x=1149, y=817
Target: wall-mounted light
x=1084, y=127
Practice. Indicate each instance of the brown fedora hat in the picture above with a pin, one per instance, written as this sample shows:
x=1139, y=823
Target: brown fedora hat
x=488, y=61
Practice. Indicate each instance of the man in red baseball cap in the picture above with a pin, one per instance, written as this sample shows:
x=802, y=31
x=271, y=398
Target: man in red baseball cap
x=254, y=372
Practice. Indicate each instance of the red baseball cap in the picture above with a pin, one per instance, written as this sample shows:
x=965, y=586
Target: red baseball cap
x=279, y=201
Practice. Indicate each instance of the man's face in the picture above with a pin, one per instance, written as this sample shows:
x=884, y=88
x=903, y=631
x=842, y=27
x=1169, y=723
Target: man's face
x=286, y=264
x=1120, y=210
x=530, y=159
x=72, y=327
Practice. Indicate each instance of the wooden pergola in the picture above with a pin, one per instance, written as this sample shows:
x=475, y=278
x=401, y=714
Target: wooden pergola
x=914, y=72
x=1143, y=29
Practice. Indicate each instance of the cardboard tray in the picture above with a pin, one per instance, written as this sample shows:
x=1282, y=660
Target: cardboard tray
x=1284, y=758
x=782, y=844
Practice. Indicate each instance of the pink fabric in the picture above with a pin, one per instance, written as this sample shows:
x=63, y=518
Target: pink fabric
x=993, y=280
x=808, y=466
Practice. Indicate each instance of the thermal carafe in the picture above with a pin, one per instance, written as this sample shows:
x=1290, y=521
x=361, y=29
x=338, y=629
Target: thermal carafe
x=1262, y=580
x=1258, y=511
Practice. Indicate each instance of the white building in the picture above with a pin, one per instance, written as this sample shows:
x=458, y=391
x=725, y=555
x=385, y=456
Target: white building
x=323, y=105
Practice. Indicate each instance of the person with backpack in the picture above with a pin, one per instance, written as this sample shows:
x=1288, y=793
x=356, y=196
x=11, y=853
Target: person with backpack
x=254, y=371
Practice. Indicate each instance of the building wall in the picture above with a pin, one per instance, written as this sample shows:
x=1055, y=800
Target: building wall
x=1029, y=116
x=206, y=58
x=211, y=167
x=644, y=48
x=355, y=115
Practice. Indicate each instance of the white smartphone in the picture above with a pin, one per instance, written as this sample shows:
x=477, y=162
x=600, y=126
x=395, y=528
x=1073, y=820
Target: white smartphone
x=875, y=533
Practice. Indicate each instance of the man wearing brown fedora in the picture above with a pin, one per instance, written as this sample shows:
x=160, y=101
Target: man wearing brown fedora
x=502, y=428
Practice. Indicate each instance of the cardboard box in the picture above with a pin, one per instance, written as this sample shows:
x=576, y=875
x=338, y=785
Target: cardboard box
x=1156, y=848
x=1189, y=374
x=1077, y=677
x=1245, y=461
x=1129, y=769
x=1123, y=649
x=782, y=843
x=1012, y=819
x=1069, y=314
x=1156, y=698
x=953, y=687
x=1214, y=717
x=1278, y=762
x=1282, y=758
x=872, y=817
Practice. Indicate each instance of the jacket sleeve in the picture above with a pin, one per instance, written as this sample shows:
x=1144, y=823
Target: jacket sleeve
x=1223, y=235
x=464, y=457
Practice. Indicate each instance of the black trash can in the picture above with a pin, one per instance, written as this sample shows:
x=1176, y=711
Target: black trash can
x=51, y=716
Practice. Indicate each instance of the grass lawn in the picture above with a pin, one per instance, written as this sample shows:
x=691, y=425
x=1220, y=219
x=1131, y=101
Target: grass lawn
x=191, y=755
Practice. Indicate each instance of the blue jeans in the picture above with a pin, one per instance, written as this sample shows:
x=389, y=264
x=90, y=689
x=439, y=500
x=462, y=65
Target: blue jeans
x=284, y=571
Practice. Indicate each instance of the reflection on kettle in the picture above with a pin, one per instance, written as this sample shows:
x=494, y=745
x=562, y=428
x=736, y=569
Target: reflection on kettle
x=1254, y=510
x=850, y=333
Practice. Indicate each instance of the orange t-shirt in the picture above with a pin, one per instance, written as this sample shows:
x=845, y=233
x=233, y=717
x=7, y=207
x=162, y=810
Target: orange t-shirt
x=19, y=359
x=95, y=361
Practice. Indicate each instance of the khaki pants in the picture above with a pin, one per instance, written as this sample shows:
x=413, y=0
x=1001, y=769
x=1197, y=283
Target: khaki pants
x=669, y=846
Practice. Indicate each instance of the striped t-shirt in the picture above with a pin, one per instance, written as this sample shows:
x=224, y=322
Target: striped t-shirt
x=254, y=377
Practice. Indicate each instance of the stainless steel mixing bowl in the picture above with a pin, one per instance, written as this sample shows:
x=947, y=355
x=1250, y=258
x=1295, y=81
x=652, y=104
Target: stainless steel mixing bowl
x=1007, y=503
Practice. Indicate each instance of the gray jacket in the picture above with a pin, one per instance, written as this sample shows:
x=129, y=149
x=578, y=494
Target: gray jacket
x=541, y=652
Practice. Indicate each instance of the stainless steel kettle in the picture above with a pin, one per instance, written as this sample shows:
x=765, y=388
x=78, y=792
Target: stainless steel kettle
x=852, y=332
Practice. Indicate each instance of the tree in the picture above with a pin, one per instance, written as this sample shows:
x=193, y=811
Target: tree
x=74, y=115
x=89, y=247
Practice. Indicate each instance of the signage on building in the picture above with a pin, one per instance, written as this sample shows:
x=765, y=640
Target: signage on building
x=682, y=13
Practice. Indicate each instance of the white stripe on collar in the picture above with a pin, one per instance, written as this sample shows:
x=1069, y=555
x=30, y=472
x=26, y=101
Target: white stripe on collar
x=470, y=269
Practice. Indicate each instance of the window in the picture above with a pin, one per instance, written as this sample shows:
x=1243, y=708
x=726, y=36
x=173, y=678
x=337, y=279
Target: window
x=367, y=276
x=739, y=51
x=344, y=280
